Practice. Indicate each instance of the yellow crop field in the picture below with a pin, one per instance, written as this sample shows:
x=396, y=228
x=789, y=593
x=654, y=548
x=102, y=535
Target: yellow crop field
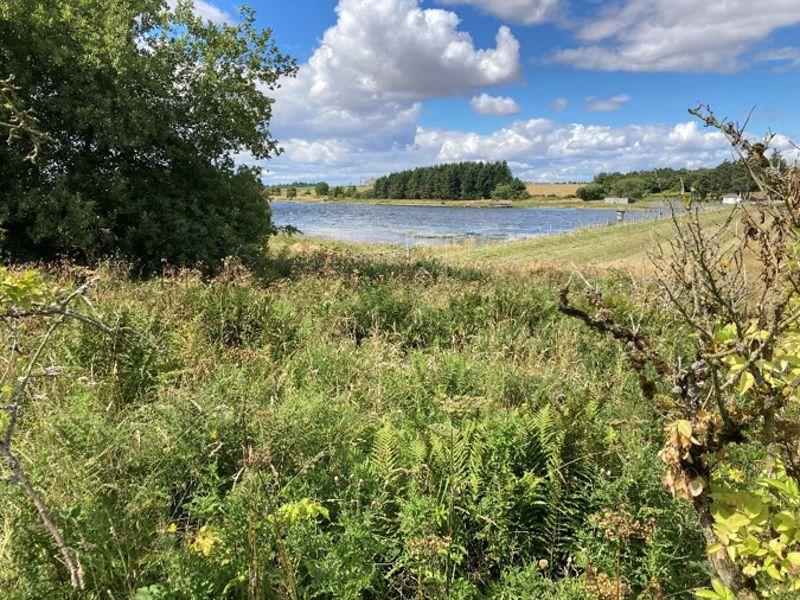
x=562, y=190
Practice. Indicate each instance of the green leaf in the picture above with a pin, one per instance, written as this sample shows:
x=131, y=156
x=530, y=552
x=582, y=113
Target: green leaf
x=723, y=591
x=719, y=592
x=710, y=594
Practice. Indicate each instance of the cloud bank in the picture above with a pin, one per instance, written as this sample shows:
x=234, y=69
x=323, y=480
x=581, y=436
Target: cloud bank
x=677, y=35
x=537, y=150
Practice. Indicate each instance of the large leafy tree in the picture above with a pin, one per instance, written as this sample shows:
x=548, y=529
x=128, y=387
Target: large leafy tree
x=145, y=108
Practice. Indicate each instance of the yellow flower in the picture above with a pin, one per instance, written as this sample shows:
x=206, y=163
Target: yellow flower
x=204, y=541
x=172, y=528
x=736, y=475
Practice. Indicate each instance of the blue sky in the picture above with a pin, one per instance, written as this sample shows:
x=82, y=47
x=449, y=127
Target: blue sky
x=562, y=89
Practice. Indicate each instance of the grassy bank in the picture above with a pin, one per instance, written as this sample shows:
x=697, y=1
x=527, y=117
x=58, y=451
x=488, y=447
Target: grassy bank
x=619, y=246
x=347, y=426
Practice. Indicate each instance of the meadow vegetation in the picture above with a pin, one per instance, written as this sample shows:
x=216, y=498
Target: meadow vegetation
x=306, y=421
x=340, y=427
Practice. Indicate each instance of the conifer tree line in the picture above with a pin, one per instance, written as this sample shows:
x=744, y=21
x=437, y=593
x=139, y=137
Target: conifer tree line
x=456, y=181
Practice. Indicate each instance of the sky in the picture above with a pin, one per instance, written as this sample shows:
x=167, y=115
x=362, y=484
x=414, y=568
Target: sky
x=561, y=89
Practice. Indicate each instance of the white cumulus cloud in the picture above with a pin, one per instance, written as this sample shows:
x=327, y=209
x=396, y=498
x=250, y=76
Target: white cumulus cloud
x=677, y=35
x=374, y=66
x=494, y=105
x=527, y=12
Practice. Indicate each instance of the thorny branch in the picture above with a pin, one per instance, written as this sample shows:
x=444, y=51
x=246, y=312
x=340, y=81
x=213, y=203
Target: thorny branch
x=639, y=349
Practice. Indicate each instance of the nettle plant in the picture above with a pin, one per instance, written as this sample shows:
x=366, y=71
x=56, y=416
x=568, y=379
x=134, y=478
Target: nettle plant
x=736, y=387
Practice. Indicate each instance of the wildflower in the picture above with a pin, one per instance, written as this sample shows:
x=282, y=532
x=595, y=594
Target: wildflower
x=204, y=541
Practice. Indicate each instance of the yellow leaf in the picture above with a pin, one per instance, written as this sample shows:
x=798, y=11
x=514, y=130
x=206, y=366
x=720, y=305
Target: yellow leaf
x=773, y=572
x=746, y=383
x=713, y=549
x=684, y=428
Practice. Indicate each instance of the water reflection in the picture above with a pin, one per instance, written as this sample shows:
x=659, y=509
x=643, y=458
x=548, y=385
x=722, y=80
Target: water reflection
x=418, y=225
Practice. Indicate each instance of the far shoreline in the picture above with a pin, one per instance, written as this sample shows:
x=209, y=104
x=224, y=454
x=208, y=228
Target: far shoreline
x=576, y=203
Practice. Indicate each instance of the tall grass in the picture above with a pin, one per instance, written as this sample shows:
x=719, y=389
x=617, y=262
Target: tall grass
x=430, y=431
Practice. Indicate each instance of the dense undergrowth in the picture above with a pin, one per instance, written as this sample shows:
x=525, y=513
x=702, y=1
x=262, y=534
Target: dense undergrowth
x=344, y=428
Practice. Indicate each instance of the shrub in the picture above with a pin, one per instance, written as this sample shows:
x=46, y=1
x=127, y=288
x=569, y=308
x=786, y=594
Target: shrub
x=510, y=191
x=591, y=192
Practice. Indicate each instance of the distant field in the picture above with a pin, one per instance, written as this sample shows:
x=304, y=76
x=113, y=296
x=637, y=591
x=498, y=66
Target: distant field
x=562, y=190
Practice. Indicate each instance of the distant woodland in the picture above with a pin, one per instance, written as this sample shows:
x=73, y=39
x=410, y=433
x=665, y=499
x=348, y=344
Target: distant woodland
x=705, y=184
x=457, y=181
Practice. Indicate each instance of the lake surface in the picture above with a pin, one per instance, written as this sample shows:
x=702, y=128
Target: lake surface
x=414, y=225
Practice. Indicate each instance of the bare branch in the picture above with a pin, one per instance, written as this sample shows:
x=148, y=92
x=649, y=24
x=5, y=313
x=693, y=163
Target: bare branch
x=61, y=310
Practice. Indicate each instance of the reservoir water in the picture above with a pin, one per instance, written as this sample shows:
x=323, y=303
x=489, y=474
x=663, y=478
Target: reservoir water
x=415, y=225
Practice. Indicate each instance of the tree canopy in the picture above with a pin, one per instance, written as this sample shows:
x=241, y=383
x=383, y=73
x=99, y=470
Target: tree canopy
x=706, y=183
x=457, y=181
x=144, y=108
